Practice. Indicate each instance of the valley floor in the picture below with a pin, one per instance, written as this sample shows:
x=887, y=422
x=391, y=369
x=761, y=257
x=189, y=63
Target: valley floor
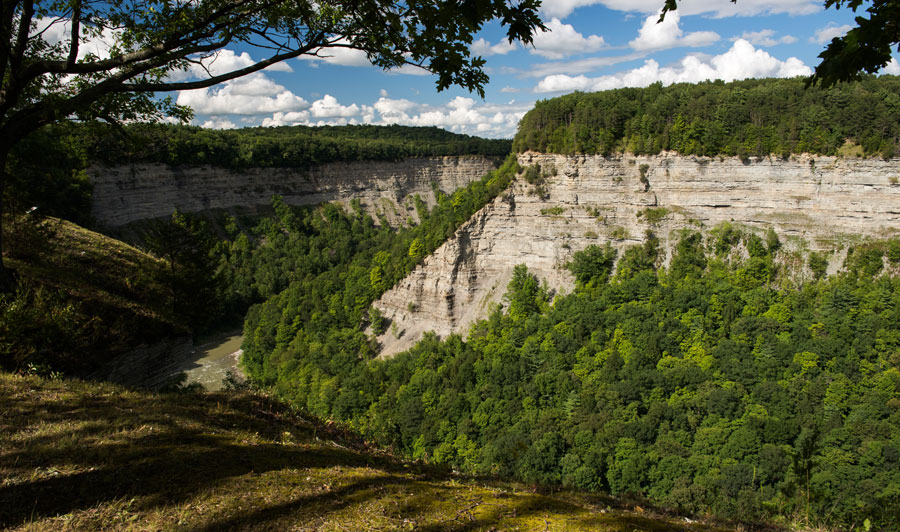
x=86, y=456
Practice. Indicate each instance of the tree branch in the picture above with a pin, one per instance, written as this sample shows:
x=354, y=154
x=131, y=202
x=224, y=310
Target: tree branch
x=215, y=80
x=76, y=35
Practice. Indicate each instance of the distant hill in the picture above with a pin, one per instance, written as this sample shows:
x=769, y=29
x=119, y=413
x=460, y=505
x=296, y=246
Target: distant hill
x=82, y=456
x=743, y=118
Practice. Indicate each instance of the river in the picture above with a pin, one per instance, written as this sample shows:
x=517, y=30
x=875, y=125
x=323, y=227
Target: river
x=211, y=361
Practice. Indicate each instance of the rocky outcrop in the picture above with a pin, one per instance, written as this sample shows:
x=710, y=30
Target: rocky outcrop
x=129, y=193
x=811, y=202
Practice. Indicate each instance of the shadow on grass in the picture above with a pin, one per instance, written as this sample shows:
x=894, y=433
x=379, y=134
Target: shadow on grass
x=89, y=450
x=161, y=449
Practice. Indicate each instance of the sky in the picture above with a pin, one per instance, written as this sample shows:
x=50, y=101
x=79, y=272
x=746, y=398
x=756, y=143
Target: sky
x=593, y=45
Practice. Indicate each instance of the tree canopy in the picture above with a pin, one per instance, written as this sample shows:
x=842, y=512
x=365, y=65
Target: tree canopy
x=50, y=72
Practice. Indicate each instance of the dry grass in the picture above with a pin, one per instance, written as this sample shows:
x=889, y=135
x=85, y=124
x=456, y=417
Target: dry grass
x=81, y=456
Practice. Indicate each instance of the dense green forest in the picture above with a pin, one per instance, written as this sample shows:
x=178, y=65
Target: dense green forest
x=293, y=147
x=743, y=118
x=713, y=386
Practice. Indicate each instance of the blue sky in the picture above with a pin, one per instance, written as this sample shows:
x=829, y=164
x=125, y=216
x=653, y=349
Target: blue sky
x=593, y=45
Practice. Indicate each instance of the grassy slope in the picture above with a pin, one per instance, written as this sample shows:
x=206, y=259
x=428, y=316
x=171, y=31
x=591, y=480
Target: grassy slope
x=115, y=289
x=92, y=266
x=85, y=456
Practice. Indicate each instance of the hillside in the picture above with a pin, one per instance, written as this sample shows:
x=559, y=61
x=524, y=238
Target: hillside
x=83, y=299
x=80, y=456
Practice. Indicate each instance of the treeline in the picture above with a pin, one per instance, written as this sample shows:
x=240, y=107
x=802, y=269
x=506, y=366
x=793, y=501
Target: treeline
x=280, y=147
x=712, y=386
x=742, y=118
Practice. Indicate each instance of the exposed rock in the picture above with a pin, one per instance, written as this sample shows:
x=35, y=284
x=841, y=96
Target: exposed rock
x=811, y=202
x=129, y=193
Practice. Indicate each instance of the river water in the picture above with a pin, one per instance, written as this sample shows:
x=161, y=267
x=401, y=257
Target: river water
x=211, y=361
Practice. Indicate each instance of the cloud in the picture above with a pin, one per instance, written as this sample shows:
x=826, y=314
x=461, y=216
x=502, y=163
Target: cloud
x=224, y=61
x=339, y=55
x=765, y=38
x=58, y=31
x=509, y=89
x=343, y=56
x=718, y=8
x=578, y=66
x=328, y=107
x=740, y=62
x=292, y=118
x=485, y=49
x=562, y=41
x=892, y=68
x=824, y=35
x=655, y=35
x=460, y=114
x=254, y=94
x=218, y=123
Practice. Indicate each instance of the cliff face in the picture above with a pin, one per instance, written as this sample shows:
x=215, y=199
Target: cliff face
x=129, y=193
x=812, y=202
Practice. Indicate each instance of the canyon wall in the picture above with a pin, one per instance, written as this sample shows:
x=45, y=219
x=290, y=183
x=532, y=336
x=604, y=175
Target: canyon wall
x=813, y=203
x=129, y=193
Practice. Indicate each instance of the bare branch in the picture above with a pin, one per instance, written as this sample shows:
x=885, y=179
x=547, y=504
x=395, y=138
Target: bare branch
x=76, y=35
x=18, y=51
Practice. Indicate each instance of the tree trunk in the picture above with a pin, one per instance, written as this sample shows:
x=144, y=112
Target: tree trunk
x=7, y=277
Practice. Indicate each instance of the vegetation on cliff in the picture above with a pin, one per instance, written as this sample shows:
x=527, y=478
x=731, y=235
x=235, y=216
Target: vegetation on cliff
x=711, y=386
x=742, y=118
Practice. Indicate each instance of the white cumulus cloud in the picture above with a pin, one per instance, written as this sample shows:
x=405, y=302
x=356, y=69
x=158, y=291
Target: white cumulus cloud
x=892, y=68
x=824, y=35
x=485, y=49
x=218, y=123
x=339, y=55
x=655, y=35
x=765, y=38
x=717, y=8
x=740, y=62
x=251, y=95
x=460, y=114
x=292, y=118
x=329, y=107
x=562, y=41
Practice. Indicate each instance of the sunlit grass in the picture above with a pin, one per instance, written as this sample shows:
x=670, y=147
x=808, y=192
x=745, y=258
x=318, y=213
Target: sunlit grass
x=83, y=456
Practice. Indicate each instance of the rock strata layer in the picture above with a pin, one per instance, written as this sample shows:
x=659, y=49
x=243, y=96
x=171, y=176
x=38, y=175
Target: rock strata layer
x=818, y=203
x=129, y=193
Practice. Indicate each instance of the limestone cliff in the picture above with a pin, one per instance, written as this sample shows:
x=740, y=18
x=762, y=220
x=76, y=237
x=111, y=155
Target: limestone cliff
x=128, y=193
x=812, y=202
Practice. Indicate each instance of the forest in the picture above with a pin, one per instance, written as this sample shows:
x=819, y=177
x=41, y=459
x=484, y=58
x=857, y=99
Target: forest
x=754, y=117
x=286, y=146
x=714, y=385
